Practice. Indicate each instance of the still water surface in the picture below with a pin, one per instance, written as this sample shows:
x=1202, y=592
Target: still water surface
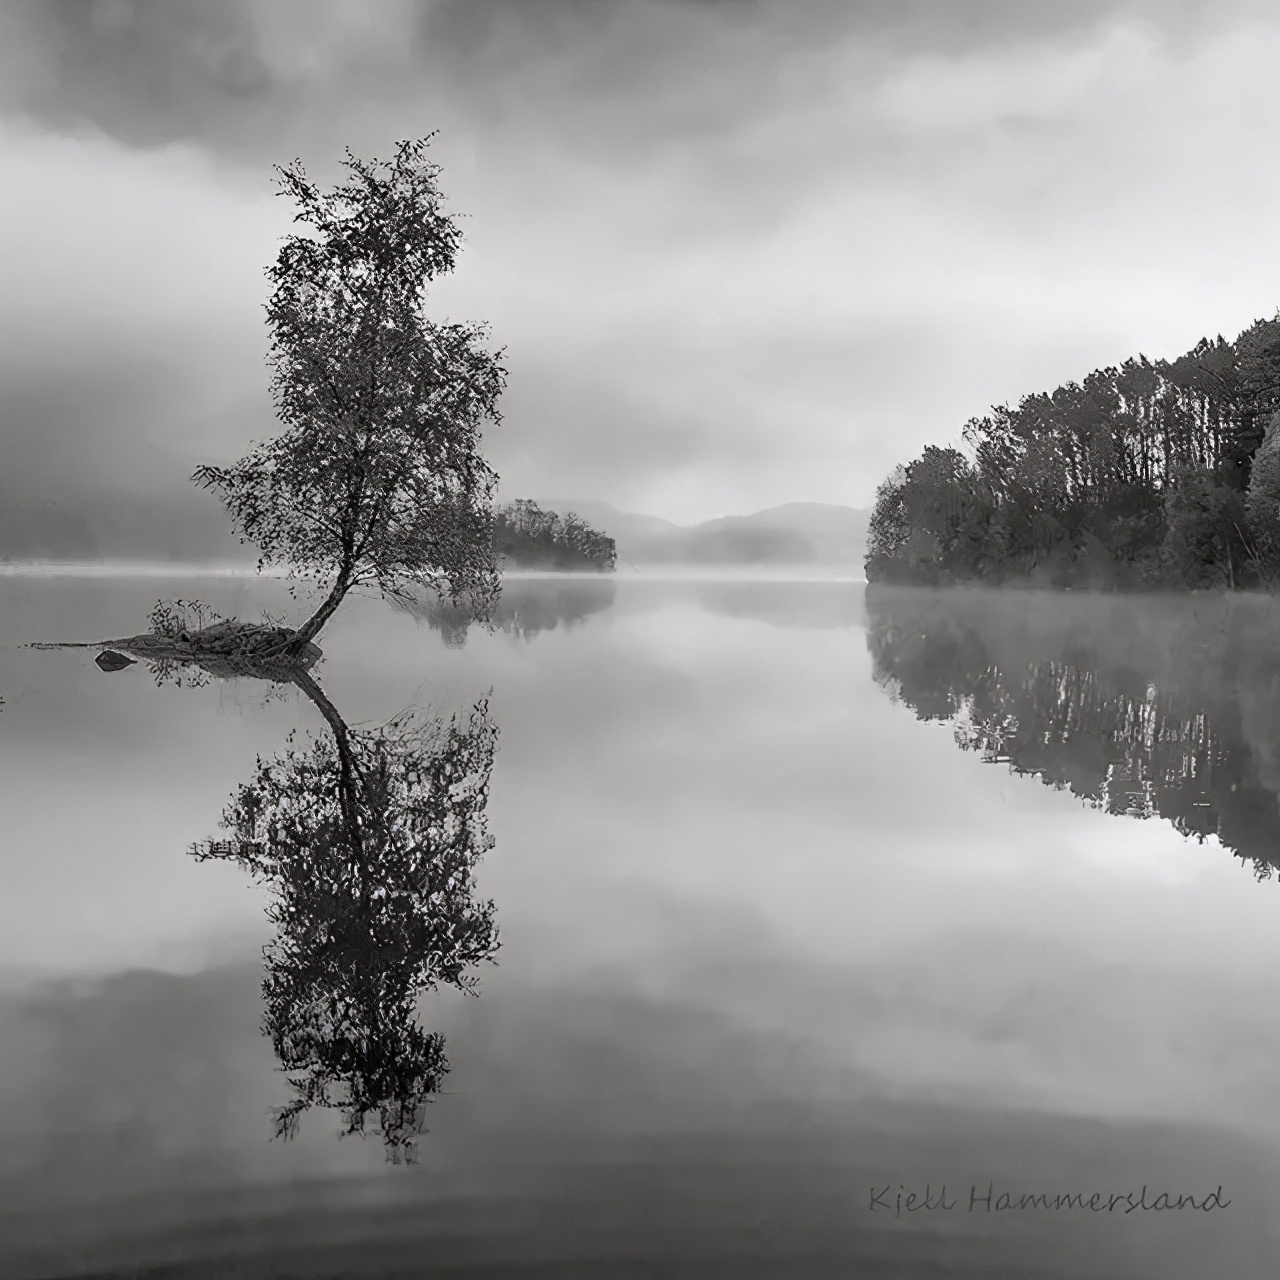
x=790, y=925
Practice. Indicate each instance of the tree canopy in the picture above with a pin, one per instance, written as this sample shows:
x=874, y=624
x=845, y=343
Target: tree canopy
x=377, y=478
x=1152, y=473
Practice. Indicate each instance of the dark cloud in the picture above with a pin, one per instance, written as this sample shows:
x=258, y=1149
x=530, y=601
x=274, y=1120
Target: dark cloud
x=253, y=80
x=146, y=72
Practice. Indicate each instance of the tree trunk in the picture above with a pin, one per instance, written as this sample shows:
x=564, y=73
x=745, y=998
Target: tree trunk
x=311, y=628
x=348, y=770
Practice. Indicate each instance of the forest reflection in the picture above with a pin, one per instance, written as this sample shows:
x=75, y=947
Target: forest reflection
x=1143, y=706
x=368, y=841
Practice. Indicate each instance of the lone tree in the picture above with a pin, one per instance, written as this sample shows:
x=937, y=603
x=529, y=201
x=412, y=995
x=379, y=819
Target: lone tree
x=377, y=478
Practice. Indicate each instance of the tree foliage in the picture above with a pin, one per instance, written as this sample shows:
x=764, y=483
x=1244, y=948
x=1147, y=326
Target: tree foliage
x=377, y=477
x=1203, y=543
x=1140, y=474
x=1263, y=502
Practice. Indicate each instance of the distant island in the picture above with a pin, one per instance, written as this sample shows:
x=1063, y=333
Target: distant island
x=1159, y=474
x=527, y=537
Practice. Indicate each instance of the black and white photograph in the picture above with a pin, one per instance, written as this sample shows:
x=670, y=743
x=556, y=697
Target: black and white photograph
x=639, y=639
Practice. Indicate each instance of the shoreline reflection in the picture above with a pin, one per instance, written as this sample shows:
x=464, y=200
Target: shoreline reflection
x=1140, y=706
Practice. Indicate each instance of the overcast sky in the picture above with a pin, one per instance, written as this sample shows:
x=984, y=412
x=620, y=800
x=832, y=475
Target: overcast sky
x=738, y=253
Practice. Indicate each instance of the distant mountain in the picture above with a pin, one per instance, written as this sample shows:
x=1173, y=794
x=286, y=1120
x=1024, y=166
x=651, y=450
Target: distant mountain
x=797, y=533
x=622, y=526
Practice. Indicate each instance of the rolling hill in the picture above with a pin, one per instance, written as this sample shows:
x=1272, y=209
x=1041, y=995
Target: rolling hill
x=797, y=533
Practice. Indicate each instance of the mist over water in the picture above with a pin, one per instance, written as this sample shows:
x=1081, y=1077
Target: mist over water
x=786, y=914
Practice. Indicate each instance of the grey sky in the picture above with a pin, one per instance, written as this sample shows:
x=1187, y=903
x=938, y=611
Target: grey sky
x=739, y=253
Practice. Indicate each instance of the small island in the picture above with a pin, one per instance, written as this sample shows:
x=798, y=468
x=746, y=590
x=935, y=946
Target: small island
x=1157, y=474
x=527, y=537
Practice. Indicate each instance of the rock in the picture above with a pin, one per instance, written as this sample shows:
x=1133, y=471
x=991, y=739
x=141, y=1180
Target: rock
x=110, y=660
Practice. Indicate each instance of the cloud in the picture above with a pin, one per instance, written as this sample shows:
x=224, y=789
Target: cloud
x=249, y=78
x=738, y=253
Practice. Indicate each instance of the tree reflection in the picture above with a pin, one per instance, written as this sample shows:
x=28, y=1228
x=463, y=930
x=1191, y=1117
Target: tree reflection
x=523, y=610
x=369, y=840
x=1143, y=707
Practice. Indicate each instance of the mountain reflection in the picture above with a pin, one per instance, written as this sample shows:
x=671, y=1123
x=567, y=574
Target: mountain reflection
x=1143, y=706
x=523, y=610
x=368, y=840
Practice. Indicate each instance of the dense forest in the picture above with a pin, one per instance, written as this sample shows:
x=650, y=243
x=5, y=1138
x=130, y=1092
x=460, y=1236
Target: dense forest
x=1157, y=473
x=1165, y=707
x=526, y=536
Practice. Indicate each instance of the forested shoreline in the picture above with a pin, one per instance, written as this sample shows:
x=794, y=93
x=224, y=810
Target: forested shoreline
x=1162, y=474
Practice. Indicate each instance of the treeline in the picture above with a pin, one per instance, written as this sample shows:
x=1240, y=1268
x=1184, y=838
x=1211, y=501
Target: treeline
x=1158, y=473
x=530, y=538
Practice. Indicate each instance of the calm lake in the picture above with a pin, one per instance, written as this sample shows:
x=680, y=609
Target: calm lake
x=791, y=928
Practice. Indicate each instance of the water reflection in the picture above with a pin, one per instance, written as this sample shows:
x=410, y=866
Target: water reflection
x=368, y=840
x=1140, y=706
x=530, y=606
x=800, y=605
x=525, y=608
